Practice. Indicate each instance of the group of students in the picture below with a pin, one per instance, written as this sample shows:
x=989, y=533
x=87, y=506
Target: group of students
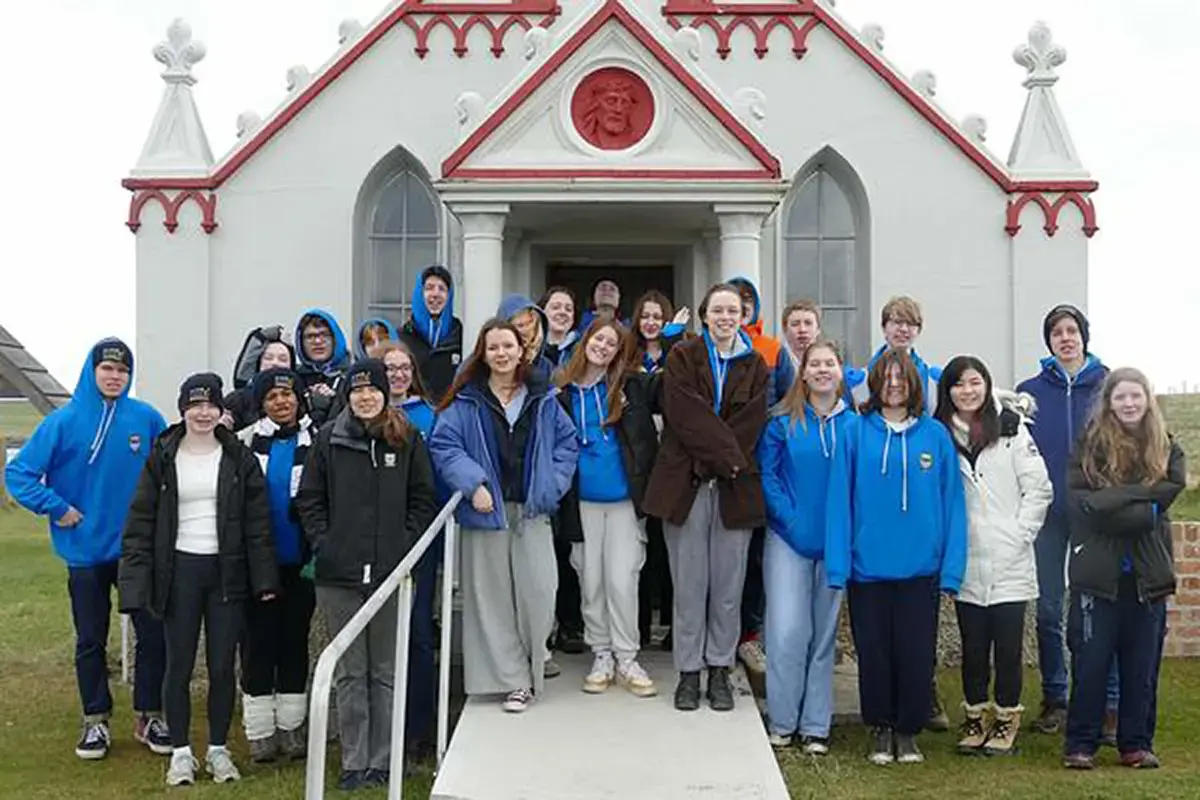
x=742, y=484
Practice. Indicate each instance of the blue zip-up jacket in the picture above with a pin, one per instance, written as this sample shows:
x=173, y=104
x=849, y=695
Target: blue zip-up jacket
x=285, y=529
x=465, y=456
x=359, y=351
x=337, y=363
x=87, y=455
x=602, y=477
x=420, y=413
x=795, y=463
x=896, y=506
x=856, y=380
x=1063, y=405
x=514, y=304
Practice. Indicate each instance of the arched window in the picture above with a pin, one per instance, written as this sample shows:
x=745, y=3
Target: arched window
x=823, y=261
x=403, y=237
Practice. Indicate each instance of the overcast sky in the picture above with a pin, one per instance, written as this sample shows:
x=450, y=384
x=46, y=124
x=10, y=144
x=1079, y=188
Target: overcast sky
x=81, y=89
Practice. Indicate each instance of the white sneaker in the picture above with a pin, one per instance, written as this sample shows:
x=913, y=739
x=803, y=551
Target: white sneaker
x=220, y=765
x=779, y=741
x=753, y=655
x=600, y=677
x=517, y=701
x=182, y=771
x=631, y=675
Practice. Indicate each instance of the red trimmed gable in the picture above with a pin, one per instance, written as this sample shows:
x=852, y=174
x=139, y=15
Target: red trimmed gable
x=612, y=11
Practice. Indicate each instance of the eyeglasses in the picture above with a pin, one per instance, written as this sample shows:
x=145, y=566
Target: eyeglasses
x=318, y=336
x=903, y=323
x=405, y=369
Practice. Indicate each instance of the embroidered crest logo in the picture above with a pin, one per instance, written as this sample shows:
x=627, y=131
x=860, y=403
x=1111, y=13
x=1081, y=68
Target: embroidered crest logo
x=116, y=354
x=360, y=379
x=135, y=442
x=455, y=358
x=389, y=459
x=926, y=461
x=285, y=382
x=199, y=394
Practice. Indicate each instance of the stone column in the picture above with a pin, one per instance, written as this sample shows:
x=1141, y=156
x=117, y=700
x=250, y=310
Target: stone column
x=483, y=264
x=741, y=239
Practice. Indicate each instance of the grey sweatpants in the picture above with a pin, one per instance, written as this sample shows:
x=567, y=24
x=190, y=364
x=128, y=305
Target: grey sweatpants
x=509, y=581
x=363, y=679
x=708, y=568
x=609, y=561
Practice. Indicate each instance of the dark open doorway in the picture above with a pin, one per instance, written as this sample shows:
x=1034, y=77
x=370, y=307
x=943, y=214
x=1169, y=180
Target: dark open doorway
x=633, y=280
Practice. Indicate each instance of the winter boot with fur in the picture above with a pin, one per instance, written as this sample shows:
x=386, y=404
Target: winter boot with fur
x=973, y=730
x=1002, y=733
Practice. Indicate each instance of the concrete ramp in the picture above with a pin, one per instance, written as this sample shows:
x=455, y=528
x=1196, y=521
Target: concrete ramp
x=573, y=746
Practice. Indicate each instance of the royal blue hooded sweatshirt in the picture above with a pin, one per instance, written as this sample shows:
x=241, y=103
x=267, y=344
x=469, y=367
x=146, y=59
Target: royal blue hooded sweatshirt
x=88, y=455
x=359, y=351
x=856, y=379
x=795, y=460
x=602, y=477
x=337, y=363
x=1063, y=405
x=896, y=505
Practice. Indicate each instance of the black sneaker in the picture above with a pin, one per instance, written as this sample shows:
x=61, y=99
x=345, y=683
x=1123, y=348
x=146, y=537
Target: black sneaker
x=94, y=742
x=152, y=732
x=376, y=777
x=907, y=751
x=571, y=642
x=1052, y=719
x=352, y=779
x=687, y=693
x=882, y=745
x=720, y=692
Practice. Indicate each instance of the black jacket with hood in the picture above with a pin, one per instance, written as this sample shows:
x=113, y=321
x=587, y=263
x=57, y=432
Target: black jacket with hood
x=246, y=549
x=1110, y=523
x=363, y=504
x=239, y=403
x=436, y=344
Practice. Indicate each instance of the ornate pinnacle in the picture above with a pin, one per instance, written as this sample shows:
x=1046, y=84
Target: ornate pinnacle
x=179, y=53
x=1040, y=56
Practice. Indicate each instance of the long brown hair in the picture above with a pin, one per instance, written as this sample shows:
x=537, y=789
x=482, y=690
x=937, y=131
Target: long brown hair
x=1112, y=455
x=417, y=387
x=877, y=382
x=798, y=397
x=614, y=377
x=391, y=426
x=476, y=367
x=660, y=300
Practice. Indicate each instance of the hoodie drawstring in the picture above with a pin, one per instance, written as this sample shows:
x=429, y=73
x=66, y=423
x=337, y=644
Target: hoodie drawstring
x=903, y=460
x=829, y=449
x=110, y=413
x=594, y=391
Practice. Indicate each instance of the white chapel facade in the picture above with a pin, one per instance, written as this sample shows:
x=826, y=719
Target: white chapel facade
x=668, y=143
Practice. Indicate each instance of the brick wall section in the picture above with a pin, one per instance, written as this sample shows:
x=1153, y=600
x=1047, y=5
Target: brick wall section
x=1183, y=610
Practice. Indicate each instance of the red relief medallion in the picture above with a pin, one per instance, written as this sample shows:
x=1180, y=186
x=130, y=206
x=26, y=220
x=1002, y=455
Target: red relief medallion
x=612, y=109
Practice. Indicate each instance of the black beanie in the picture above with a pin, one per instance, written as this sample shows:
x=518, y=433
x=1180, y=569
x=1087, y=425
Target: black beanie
x=1056, y=314
x=439, y=272
x=203, y=387
x=368, y=372
x=114, y=350
x=276, y=378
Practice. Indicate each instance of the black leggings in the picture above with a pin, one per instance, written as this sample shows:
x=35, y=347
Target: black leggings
x=196, y=596
x=1000, y=627
x=275, y=651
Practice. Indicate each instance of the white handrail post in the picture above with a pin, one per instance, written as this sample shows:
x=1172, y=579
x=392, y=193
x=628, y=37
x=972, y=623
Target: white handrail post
x=448, y=577
x=400, y=687
x=318, y=726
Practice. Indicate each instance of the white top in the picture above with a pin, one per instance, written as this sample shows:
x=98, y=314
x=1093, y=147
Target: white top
x=197, y=475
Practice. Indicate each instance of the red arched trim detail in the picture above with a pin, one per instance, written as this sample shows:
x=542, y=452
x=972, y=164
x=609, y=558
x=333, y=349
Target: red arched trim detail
x=499, y=31
x=496, y=24
x=760, y=27
x=208, y=208
x=1051, y=211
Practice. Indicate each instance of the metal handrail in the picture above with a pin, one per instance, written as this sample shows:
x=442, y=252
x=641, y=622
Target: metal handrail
x=401, y=578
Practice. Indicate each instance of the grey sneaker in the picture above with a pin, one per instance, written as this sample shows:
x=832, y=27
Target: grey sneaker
x=264, y=751
x=882, y=745
x=219, y=764
x=293, y=744
x=907, y=751
x=182, y=771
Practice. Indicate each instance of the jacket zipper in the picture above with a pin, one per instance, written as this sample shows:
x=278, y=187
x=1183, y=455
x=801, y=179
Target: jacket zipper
x=375, y=478
x=487, y=453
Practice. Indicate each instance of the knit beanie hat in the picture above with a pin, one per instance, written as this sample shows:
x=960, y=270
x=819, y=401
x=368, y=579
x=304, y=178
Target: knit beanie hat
x=113, y=350
x=439, y=272
x=276, y=378
x=1065, y=310
x=368, y=372
x=203, y=387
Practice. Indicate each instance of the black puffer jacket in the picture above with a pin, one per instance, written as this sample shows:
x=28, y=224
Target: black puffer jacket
x=362, y=503
x=639, y=449
x=438, y=365
x=1108, y=524
x=246, y=549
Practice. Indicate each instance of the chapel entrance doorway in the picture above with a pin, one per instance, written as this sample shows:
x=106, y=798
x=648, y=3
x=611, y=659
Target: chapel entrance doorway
x=580, y=275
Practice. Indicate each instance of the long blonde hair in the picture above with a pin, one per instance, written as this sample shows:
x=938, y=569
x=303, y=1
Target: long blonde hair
x=798, y=396
x=1112, y=455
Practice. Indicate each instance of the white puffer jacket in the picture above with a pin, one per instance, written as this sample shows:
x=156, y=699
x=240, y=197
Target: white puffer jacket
x=1008, y=492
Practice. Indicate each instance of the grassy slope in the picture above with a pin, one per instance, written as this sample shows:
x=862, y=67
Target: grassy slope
x=39, y=719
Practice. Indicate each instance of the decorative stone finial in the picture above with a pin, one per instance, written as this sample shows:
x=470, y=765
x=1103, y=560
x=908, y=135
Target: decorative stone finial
x=975, y=127
x=297, y=77
x=1040, y=56
x=535, y=42
x=687, y=42
x=349, y=30
x=751, y=105
x=468, y=108
x=247, y=122
x=179, y=53
x=925, y=82
x=872, y=34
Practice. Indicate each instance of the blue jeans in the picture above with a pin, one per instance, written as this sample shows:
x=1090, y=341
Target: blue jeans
x=90, y=589
x=800, y=629
x=1050, y=550
x=1100, y=630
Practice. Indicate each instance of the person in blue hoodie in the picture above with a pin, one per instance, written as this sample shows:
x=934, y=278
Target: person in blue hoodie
x=372, y=335
x=896, y=534
x=612, y=411
x=275, y=647
x=1065, y=390
x=902, y=321
x=80, y=469
x=322, y=357
x=433, y=333
x=558, y=304
x=795, y=455
x=502, y=439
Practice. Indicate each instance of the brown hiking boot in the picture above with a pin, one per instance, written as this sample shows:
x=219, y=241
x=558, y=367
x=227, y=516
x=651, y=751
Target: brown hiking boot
x=973, y=733
x=1051, y=719
x=1108, y=730
x=1002, y=734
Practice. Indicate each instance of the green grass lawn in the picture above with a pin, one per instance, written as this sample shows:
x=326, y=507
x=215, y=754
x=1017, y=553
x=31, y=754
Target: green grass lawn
x=39, y=720
x=18, y=419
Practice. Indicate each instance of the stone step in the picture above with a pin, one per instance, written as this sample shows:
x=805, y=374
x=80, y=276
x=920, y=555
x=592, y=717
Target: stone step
x=574, y=746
